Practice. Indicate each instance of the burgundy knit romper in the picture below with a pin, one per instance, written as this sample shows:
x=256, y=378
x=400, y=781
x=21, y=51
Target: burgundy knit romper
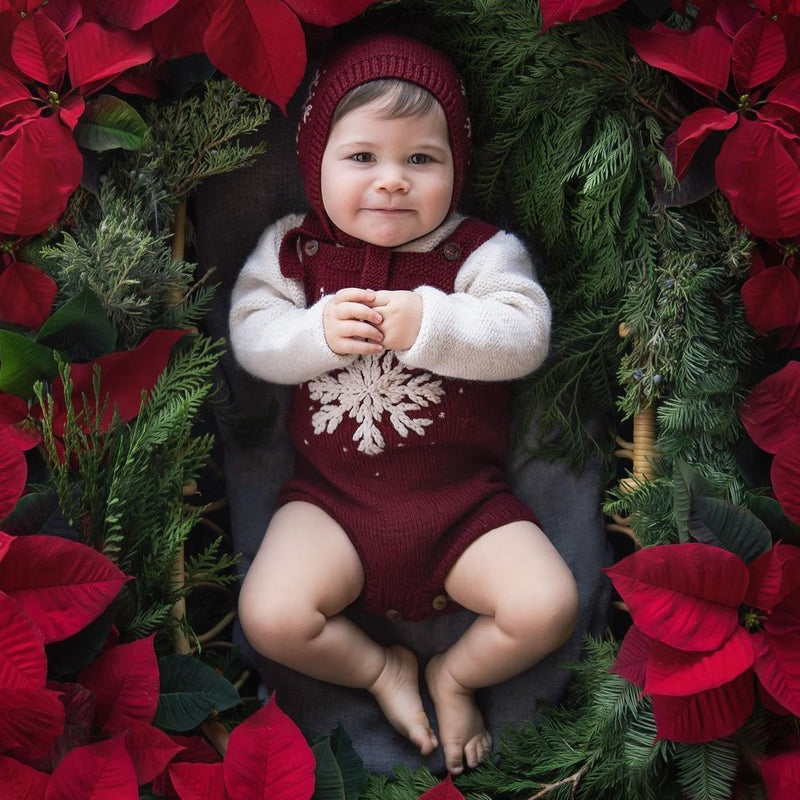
x=410, y=464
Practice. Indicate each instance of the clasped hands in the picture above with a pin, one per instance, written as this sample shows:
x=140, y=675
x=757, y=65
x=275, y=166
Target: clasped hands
x=363, y=321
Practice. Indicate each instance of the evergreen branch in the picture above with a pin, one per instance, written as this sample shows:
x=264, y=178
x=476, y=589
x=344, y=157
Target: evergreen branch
x=573, y=781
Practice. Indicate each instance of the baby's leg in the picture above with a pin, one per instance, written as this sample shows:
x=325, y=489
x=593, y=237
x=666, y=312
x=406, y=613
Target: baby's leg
x=527, y=600
x=304, y=574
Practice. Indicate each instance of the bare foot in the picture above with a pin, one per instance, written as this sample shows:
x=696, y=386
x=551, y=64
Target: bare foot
x=397, y=691
x=461, y=725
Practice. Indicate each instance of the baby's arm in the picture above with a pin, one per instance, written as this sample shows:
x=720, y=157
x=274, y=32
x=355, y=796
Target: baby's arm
x=274, y=336
x=494, y=326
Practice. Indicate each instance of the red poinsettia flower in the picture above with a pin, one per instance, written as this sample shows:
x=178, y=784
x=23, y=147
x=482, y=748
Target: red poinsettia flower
x=744, y=61
x=267, y=759
x=705, y=624
x=771, y=416
x=771, y=294
x=258, y=44
x=26, y=293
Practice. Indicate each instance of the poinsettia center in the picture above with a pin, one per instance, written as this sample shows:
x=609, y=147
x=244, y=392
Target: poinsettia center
x=744, y=102
x=752, y=619
x=6, y=246
x=53, y=99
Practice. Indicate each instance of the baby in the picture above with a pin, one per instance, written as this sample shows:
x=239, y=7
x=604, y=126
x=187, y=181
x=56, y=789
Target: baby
x=400, y=324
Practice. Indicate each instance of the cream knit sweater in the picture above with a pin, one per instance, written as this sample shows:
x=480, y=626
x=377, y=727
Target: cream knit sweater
x=495, y=326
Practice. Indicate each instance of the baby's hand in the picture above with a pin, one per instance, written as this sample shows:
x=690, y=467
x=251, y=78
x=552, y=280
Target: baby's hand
x=350, y=323
x=402, y=318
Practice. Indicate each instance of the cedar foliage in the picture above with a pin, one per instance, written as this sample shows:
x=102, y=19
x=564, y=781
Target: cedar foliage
x=122, y=490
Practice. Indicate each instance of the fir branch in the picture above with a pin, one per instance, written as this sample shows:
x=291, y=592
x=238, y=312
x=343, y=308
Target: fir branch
x=707, y=771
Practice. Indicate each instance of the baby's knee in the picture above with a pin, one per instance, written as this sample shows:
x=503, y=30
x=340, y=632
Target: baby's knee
x=273, y=626
x=545, y=616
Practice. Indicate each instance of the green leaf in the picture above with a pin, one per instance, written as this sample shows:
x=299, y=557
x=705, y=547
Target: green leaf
x=722, y=523
x=110, y=123
x=771, y=513
x=82, y=322
x=190, y=691
x=688, y=484
x=22, y=363
x=340, y=770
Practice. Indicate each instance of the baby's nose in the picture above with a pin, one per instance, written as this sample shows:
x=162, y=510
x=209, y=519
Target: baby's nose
x=392, y=178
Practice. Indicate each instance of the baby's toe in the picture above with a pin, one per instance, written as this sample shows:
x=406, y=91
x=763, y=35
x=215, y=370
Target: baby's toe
x=477, y=748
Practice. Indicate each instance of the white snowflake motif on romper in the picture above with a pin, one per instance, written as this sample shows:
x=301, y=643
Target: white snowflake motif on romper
x=366, y=390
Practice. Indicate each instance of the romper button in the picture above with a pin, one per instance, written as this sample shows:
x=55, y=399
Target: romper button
x=393, y=615
x=452, y=252
x=311, y=247
x=440, y=602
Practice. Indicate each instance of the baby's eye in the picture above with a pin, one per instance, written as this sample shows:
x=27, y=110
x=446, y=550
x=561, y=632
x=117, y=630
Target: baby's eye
x=361, y=158
x=420, y=158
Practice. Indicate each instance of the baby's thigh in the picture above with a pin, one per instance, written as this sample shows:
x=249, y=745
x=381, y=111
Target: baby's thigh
x=512, y=567
x=305, y=560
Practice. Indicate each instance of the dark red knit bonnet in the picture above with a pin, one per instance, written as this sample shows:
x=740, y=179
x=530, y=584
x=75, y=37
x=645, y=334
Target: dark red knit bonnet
x=383, y=55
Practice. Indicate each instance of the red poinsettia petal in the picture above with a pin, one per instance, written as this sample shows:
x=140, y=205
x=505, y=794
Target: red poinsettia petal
x=133, y=14
x=772, y=299
x=150, y=749
x=30, y=721
x=40, y=167
x=26, y=295
x=65, y=13
x=180, y=31
x=778, y=667
x=198, y=781
x=13, y=409
x=709, y=715
x=445, y=790
x=70, y=110
x=771, y=412
x=701, y=56
x=685, y=595
x=12, y=90
x=124, y=376
x=781, y=775
x=21, y=782
x=260, y=45
x=24, y=436
x=774, y=575
x=730, y=15
x=13, y=474
x=785, y=477
x=631, y=661
x=786, y=93
x=101, y=771
x=268, y=758
x=328, y=12
x=125, y=682
x=555, y=11
x=22, y=659
x=194, y=750
x=758, y=171
x=71, y=585
x=96, y=55
x=758, y=53
x=695, y=129
x=78, y=727
x=678, y=673
x=39, y=49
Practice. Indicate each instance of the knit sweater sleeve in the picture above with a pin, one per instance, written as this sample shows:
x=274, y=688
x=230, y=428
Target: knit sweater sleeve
x=495, y=325
x=273, y=334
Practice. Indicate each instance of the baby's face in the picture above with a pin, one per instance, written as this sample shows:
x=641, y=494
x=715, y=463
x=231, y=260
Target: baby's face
x=387, y=181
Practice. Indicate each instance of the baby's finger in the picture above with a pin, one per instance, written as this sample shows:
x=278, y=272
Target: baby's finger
x=360, y=330
x=358, y=311
x=353, y=294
